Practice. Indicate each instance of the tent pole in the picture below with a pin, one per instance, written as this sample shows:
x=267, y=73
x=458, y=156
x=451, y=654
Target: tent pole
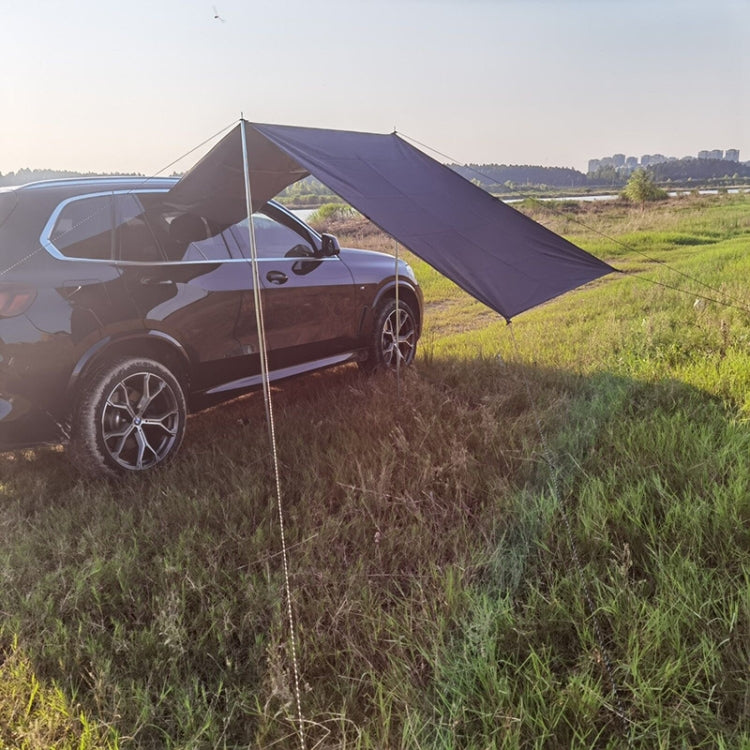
x=263, y=351
x=398, y=333
x=256, y=278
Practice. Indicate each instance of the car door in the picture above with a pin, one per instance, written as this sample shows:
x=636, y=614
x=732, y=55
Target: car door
x=309, y=302
x=187, y=284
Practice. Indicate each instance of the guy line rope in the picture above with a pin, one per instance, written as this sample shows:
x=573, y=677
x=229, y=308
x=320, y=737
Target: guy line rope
x=266, y=395
x=272, y=436
x=619, y=710
x=727, y=301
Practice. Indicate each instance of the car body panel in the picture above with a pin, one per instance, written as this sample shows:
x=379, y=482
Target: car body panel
x=192, y=306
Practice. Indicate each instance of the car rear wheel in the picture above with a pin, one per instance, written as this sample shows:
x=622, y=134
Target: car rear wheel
x=394, y=338
x=130, y=417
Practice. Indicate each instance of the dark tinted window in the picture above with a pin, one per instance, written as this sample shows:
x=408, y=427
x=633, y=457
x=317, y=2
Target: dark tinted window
x=118, y=226
x=104, y=227
x=84, y=228
x=134, y=238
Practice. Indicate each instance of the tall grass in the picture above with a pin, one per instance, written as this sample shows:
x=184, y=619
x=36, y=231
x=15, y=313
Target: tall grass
x=437, y=598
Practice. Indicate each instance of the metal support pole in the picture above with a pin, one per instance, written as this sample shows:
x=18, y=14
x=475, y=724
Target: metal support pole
x=263, y=351
x=256, y=280
x=398, y=333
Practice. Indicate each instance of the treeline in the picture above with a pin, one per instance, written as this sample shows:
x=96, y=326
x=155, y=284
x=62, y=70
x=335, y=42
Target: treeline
x=699, y=170
x=495, y=178
x=687, y=171
x=504, y=178
x=307, y=192
x=499, y=177
x=25, y=175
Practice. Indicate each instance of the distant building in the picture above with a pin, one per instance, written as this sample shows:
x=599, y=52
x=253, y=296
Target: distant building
x=658, y=158
x=648, y=159
x=626, y=164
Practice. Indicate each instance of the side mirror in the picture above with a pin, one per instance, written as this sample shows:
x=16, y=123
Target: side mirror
x=330, y=245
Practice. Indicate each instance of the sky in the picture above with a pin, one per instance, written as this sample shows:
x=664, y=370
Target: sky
x=132, y=86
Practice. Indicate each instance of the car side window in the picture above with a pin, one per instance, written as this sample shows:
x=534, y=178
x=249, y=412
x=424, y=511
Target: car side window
x=84, y=228
x=135, y=240
x=273, y=239
x=192, y=238
x=105, y=227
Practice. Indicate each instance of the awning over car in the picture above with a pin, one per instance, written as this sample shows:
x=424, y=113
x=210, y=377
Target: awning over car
x=495, y=253
x=215, y=186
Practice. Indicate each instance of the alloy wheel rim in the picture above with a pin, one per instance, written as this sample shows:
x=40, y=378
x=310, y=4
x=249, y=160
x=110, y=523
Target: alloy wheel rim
x=140, y=421
x=398, y=339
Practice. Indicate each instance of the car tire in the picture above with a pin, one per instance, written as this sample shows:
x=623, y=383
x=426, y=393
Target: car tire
x=130, y=417
x=393, y=338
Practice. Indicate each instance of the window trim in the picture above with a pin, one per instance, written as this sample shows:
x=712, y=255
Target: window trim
x=288, y=217
x=46, y=241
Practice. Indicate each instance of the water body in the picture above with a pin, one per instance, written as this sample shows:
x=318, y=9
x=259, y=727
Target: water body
x=305, y=213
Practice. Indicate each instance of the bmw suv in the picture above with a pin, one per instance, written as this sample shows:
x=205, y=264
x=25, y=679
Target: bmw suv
x=119, y=314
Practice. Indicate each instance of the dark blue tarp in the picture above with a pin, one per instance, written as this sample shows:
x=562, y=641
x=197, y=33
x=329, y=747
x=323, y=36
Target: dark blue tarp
x=498, y=255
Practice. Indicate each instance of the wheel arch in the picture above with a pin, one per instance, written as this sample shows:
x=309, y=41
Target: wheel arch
x=406, y=293
x=153, y=344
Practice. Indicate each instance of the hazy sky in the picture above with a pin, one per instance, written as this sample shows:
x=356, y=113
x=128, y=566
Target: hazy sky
x=130, y=85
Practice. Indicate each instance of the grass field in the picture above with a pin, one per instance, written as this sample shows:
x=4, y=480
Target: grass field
x=547, y=510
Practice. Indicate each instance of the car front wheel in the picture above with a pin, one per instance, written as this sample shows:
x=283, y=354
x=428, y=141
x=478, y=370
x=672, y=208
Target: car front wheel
x=394, y=338
x=130, y=417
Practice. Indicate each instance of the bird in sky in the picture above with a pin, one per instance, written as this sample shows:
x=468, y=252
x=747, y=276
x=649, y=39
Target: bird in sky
x=217, y=17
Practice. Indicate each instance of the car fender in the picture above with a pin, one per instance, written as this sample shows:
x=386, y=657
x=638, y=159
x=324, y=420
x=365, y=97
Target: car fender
x=153, y=342
x=388, y=290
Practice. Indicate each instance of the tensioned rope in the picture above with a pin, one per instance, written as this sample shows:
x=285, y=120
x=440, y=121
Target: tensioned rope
x=268, y=401
x=271, y=424
x=38, y=247
x=264, y=378
x=618, y=709
x=732, y=303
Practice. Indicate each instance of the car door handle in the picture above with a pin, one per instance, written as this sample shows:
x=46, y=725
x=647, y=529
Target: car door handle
x=151, y=281
x=277, y=277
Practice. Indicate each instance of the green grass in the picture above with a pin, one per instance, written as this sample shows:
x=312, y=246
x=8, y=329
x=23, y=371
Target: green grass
x=437, y=598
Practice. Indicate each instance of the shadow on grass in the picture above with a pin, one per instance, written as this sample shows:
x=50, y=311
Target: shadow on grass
x=426, y=558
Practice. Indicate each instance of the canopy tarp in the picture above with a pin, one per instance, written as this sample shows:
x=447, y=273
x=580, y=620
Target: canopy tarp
x=504, y=259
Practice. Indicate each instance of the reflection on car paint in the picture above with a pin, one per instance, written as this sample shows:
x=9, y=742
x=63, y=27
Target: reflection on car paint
x=117, y=275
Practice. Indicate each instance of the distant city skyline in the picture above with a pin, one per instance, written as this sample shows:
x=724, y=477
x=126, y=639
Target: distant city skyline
x=620, y=161
x=129, y=87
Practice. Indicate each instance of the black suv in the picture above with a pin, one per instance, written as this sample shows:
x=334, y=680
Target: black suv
x=119, y=314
